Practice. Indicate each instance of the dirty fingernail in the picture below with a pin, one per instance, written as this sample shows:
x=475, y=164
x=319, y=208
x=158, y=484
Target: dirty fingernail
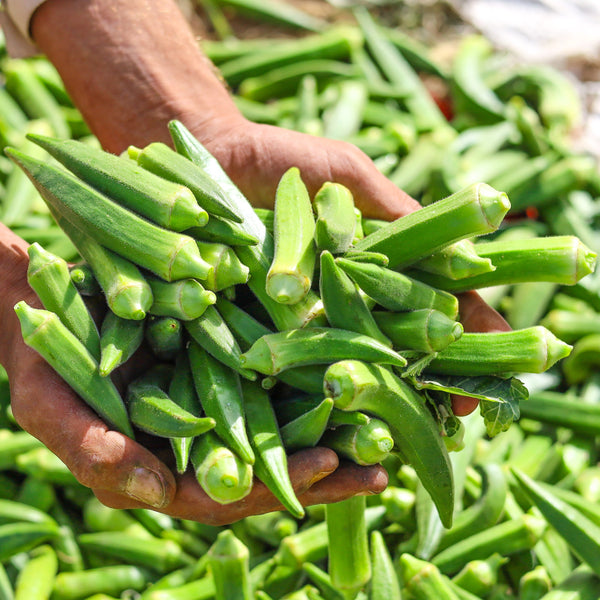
x=146, y=486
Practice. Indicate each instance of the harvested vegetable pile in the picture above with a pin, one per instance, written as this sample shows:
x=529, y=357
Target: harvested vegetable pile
x=310, y=324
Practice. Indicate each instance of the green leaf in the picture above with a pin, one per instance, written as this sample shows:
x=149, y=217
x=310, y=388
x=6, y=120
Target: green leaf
x=498, y=398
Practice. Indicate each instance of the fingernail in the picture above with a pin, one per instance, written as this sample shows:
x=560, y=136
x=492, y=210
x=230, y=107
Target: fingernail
x=146, y=486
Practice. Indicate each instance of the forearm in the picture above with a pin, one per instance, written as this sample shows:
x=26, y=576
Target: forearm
x=130, y=66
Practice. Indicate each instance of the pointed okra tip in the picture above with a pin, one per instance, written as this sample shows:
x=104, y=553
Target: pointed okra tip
x=556, y=349
x=494, y=204
x=228, y=546
x=585, y=261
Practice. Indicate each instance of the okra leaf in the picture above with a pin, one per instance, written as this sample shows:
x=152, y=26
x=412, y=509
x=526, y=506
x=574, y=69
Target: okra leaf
x=498, y=398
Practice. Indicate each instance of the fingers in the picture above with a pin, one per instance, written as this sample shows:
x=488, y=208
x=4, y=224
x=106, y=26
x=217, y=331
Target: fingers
x=99, y=458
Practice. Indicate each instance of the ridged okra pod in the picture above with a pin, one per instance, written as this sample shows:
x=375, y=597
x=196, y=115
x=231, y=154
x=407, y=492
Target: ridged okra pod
x=222, y=231
x=22, y=536
x=229, y=563
x=335, y=219
x=49, y=277
x=583, y=362
x=164, y=336
x=227, y=270
x=125, y=288
x=424, y=330
x=355, y=385
x=166, y=253
x=384, y=583
x=570, y=325
x=475, y=210
x=119, y=339
x=257, y=257
x=44, y=332
x=276, y=352
x=345, y=307
x=36, y=579
x=270, y=463
x=290, y=275
x=169, y=164
x=529, y=350
x=152, y=410
x=185, y=299
x=396, y=291
x=307, y=429
x=220, y=392
x=534, y=584
x=558, y=259
x=165, y=203
x=423, y=579
x=220, y=472
x=349, y=562
x=366, y=444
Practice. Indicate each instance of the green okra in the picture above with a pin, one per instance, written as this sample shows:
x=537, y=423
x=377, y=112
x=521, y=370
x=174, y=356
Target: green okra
x=290, y=275
x=13, y=510
x=223, y=476
x=480, y=575
x=270, y=464
x=228, y=270
x=257, y=257
x=399, y=503
x=424, y=330
x=384, y=583
x=119, y=339
x=306, y=430
x=185, y=299
x=267, y=217
x=456, y=261
x=348, y=559
x=13, y=444
x=506, y=538
x=423, y=579
x=168, y=164
x=84, y=279
x=98, y=517
x=559, y=259
x=223, y=231
x=376, y=258
x=211, y=332
x=307, y=119
x=168, y=204
x=164, y=336
x=183, y=392
x=220, y=392
x=530, y=350
x=229, y=563
x=271, y=527
x=277, y=352
x=342, y=117
x=355, y=385
x=49, y=277
x=22, y=537
x=35, y=581
x=322, y=581
x=335, y=223
x=127, y=292
x=474, y=210
x=583, y=361
x=113, y=579
x=581, y=583
x=46, y=466
x=6, y=588
x=152, y=410
x=36, y=493
x=43, y=331
x=580, y=533
x=345, y=307
x=535, y=584
x=166, y=253
x=366, y=444
x=396, y=291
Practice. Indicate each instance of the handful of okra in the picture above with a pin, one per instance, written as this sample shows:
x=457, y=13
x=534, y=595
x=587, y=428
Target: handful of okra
x=273, y=336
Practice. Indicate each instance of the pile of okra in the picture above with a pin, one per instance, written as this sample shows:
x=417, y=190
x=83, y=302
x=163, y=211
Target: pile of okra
x=309, y=324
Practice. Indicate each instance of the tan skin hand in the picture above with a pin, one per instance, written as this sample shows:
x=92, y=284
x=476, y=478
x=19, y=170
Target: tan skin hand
x=145, y=76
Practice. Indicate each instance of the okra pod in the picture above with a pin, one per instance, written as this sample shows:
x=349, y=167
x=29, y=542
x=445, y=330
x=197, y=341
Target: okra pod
x=44, y=332
x=570, y=325
x=529, y=350
x=119, y=339
x=423, y=579
x=185, y=299
x=290, y=275
x=583, y=361
x=535, y=584
x=424, y=330
x=49, y=277
x=355, y=385
x=166, y=253
x=152, y=410
x=168, y=204
x=13, y=444
x=475, y=210
x=384, y=580
x=228, y=270
x=335, y=219
x=270, y=463
x=220, y=392
x=396, y=291
x=36, y=580
x=168, y=164
x=306, y=430
x=222, y=231
x=22, y=537
x=222, y=475
x=229, y=566
x=558, y=259
x=366, y=444
x=276, y=352
x=480, y=575
x=164, y=336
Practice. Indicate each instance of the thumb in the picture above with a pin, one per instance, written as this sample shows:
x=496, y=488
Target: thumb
x=100, y=458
